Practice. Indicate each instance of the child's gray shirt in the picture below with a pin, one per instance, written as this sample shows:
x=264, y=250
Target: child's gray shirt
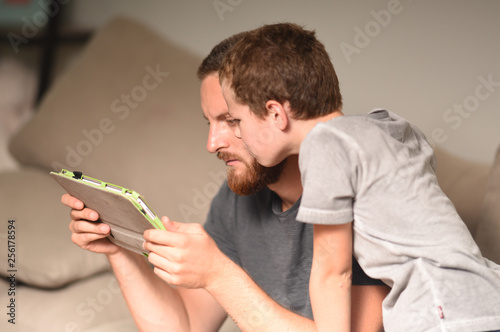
x=378, y=171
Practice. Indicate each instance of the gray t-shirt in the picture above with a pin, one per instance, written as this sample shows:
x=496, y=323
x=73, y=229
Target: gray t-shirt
x=271, y=245
x=378, y=170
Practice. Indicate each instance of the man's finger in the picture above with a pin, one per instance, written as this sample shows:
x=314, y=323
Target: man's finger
x=72, y=202
x=89, y=227
x=86, y=238
x=85, y=214
x=165, y=238
x=180, y=227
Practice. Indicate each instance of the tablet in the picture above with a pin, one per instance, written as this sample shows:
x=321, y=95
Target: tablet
x=124, y=210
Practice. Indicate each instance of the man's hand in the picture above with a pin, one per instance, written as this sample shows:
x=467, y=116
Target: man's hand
x=86, y=231
x=184, y=255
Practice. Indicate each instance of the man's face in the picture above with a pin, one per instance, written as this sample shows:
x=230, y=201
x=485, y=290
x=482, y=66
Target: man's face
x=245, y=176
x=259, y=135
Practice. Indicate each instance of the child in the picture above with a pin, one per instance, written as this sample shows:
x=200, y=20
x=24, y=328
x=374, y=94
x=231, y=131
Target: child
x=369, y=188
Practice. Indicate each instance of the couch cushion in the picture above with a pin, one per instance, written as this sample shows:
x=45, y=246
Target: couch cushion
x=45, y=256
x=464, y=182
x=128, y=112
x=91, y=303
x=488, y=233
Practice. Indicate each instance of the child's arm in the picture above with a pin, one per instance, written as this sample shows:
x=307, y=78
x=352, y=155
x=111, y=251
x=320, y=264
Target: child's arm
x=331, y=274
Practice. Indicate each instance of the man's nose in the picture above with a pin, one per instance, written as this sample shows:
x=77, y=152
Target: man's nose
x=217, y=138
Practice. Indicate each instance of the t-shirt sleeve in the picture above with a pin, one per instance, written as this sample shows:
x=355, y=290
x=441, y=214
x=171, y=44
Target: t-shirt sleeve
x=220, y=223
x=328, y=169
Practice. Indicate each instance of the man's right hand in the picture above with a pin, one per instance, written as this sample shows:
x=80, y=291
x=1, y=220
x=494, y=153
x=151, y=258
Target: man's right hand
x=87, y=231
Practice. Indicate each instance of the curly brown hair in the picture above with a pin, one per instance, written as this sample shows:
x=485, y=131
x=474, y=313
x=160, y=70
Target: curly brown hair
x=282, y=62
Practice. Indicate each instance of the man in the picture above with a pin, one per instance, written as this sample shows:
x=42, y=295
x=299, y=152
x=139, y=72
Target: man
x=271, y=245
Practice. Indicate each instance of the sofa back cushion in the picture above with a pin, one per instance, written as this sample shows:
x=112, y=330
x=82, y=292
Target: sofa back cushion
x=464, y=182
x=488, y=232
x=35, y=233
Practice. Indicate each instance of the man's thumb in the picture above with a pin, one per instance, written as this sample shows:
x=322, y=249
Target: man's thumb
x=173, y=226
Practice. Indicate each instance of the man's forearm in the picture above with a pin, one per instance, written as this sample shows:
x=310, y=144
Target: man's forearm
x=250, y=307
x=154, y=304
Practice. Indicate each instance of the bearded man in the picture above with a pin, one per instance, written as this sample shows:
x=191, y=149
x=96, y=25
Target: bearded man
x=251, y=260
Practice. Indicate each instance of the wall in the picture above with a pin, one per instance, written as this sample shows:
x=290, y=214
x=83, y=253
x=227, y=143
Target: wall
x=434, y=62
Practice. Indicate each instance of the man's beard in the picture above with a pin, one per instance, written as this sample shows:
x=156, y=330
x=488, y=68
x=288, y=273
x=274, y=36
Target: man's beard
x=254, y=178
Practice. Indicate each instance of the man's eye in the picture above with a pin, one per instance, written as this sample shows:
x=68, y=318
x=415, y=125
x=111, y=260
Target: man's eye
x=233, y=121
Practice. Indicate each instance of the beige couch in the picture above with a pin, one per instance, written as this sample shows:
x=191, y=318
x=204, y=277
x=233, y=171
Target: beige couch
x=128, y=112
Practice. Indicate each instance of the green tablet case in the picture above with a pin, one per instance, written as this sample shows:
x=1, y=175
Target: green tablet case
x=124, y=210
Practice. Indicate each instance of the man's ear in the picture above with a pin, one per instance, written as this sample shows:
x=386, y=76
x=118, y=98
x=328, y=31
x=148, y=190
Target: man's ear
x=278, y=113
